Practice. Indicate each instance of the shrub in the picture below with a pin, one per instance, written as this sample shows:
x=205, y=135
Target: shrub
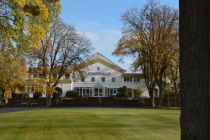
x=57, y=93
x=72, y=93
x=123, y=92
x=1, y=96
x=1, y=104
x=25, y=95
x=17, y=96
x=37, y=95
x=138, y=92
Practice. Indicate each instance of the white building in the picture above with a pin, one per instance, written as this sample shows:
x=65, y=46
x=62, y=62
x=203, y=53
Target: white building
x=103, y=79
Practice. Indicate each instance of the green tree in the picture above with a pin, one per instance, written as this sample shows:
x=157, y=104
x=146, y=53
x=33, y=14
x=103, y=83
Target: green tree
x=123, y=91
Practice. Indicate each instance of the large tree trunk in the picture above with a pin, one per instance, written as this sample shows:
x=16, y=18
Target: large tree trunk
x=160, y=98
x=152, y=98
x=195, y=69
x=161, y=88
x=48, y=101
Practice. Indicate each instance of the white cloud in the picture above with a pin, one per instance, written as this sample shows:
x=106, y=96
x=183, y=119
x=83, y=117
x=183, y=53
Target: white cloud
x=91, y=36
x=107, y=41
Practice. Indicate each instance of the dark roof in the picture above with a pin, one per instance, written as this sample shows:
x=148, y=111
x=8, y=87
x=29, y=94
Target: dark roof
x=135, y=75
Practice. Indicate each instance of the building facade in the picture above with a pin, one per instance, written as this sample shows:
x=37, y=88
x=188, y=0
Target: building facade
x=103, y=78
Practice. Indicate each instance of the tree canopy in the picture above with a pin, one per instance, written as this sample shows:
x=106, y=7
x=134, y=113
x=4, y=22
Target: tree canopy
x=23, y=23
x=62, y=51
x=150, y=36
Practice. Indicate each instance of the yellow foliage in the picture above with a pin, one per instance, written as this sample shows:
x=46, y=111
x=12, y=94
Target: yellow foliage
x=20, y=3
x=42, y=8
x=8, y=94
x=37, y=33
x=33, y=16
x=50, y=90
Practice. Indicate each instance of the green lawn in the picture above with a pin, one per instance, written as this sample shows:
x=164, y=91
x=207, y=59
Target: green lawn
x=90, y=124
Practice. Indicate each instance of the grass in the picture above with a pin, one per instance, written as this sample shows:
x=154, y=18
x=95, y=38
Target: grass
x=90, y=124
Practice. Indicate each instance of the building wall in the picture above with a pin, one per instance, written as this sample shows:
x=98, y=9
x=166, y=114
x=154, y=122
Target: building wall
x=101, y=68
x=108, y=73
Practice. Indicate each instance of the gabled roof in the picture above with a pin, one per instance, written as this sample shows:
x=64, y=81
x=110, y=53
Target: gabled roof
x=98, y=57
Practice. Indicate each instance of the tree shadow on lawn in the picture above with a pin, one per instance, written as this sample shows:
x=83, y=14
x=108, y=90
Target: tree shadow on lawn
x=15, y=109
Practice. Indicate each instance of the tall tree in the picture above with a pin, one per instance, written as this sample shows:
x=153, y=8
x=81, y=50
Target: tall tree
x=62, y=51
x=150, y=35
x=195, y=69
x=23, y=23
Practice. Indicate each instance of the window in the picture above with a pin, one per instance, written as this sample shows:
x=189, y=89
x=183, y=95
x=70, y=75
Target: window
x=127, y=79
x=80, y=91
x=67, y=76
x=83, y=92
x=113, y=91
x=136, y=80
x=82, y=79
x=103, y=79
x=98, y=68
x=113, y=80
x=93, y=79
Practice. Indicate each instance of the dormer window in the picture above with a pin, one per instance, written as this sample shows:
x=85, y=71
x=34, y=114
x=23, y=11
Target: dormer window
x=103, y=79
x=98, y=68
x=82, y=79
x=127, y=79
x=136, y=80
x=92, y=79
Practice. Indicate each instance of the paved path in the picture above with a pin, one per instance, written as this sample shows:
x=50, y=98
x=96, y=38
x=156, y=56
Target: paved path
x=14, y=109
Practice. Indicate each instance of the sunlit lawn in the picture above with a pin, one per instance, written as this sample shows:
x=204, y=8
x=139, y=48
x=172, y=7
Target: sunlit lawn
x=90, y=124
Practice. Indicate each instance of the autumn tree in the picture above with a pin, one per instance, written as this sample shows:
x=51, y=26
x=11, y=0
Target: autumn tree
x=62, y=51
x=150, y=35
x=194, y=69
x=173, y=72
x=23, y=23
x=13, y=72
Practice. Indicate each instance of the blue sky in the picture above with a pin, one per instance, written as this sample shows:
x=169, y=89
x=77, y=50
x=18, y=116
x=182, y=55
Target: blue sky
x=100, y=21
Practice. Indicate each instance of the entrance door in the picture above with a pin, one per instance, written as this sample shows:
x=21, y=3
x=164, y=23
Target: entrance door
x=98, y=92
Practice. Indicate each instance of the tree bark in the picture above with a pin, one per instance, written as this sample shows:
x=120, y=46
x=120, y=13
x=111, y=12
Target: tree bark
x=161, y=86
x=195, y=69
x=152, y=98
x=160, y=98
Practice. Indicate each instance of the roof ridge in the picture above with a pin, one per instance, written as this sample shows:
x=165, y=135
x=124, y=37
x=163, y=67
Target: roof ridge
x=106, y=58
x=102, y=58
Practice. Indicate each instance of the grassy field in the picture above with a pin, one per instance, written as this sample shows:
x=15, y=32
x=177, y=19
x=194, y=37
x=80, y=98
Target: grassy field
x=90, y=124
